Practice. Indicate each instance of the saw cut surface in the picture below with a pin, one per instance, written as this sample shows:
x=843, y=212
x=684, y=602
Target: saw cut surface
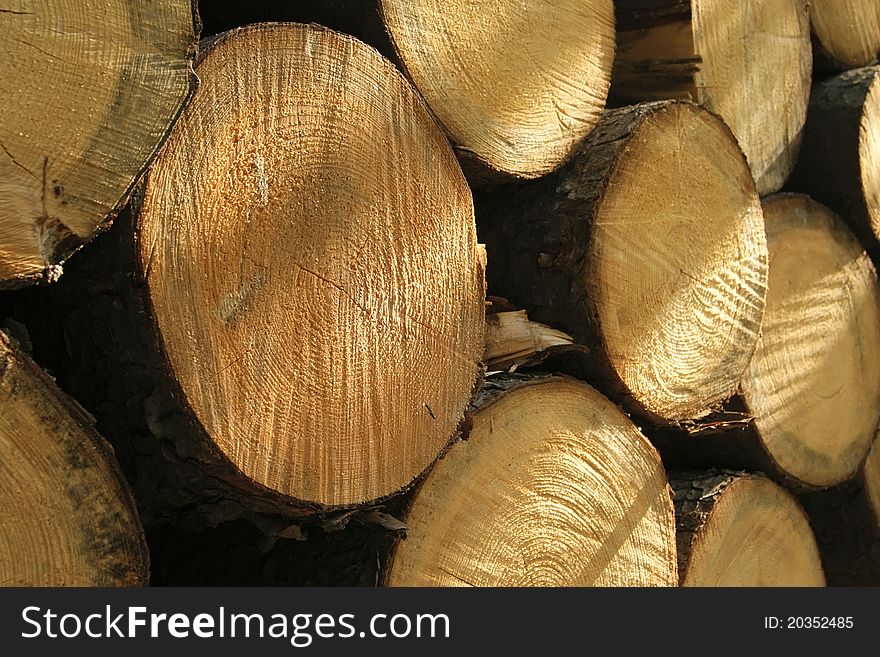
x=516, y=84
x=310, y=251
x=847, y=30
x=755, y=74
x=553, y=487
x=679, y=313
x=814, y=382
x=869, y=150
x=66, y=515
x=755, y=535
x=90, y=90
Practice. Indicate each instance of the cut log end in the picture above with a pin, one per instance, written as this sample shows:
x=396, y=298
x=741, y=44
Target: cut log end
x=553, y=487
x=756, y=75
x=308, y=243
x=869, y=151
x=748, y=62
x=813, y=385
x=679, y=313
x=742, y=530
x=847, y=32
x=66, y=515
x=89, y=93
x=517, y=85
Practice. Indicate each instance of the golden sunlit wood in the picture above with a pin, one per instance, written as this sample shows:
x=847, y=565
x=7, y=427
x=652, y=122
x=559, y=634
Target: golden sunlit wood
x=309, y=246
x=89, y=92
x=813, y=386
x=554, y=486
x=66, y=515
x=516, y=84
x=736, y=529
x=291, y=318
x=749, y=62
x=847, y=32
x=654, y=256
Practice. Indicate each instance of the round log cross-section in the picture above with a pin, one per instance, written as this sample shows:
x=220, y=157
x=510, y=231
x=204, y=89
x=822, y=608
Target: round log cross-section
x=307, y=240
x=90, y=91
x=750, y=62
x=554, y=486
x=736, y=529
x=649, y=248
x=813, y=385
x=67, y=517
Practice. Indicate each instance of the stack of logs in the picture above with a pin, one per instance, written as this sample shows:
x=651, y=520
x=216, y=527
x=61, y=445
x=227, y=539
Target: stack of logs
x=573, y=293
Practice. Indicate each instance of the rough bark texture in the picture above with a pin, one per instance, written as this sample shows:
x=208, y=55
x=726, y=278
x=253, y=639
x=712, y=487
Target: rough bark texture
x=847, y=530
x=828, y=168
x=554, y=247
x=536, y=241
x=240, y=553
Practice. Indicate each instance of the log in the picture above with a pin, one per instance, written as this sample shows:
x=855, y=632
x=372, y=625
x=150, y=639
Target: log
x=846, y=33
x=749, y=62
x=90, y=91
x=840, y=157
x=291, y=319
x=659, y=267
x=512, y=100
x=813, y=385
x=740, y=529
x=67, y=517
x=846, y=520
x=553, y=486
x=809, y=401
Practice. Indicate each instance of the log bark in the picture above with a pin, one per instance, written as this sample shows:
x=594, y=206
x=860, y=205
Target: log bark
x=809, y=401
x=750, y=62
x=514, y=102
x=840, y=157
x=551, y=486
x=90, y=92
x=740, y=529
x=290, y=320
x=658, y=267
x=67, y=517
x=846, y=520
x=846, y=33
